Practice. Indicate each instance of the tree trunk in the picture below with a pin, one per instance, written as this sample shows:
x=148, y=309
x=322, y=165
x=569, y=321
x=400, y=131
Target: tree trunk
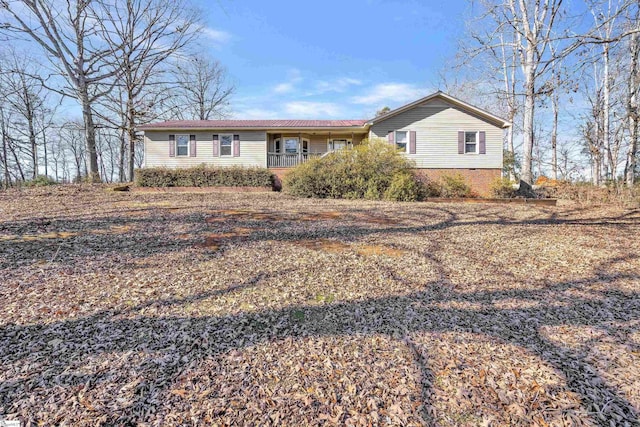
x=597, y=168
x=529, y=107
x=554, y=137
x=78, y=169
x=28, y=113
x=5, y=159
x=131, y=129
x=93, y=174
x=122, y=156
x=632, y=110
x=44, y=147
x=32, y=142
x=15, y=157
x=632, y=155
x=606, y=111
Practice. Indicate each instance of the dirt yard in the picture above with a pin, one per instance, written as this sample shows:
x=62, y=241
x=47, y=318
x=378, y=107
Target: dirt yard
x=259, y=309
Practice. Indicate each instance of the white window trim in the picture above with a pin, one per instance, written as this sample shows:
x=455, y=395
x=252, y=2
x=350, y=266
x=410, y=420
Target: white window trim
x=220, y=145
x=477, y=132
x=330, y=143
x=188, y=145
x=406, y=144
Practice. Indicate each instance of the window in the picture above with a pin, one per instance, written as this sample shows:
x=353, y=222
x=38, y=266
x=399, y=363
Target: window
x=226, y=145
x=471, y=142
x=291, y=145
x=401, y=140
x=182, y=145
x=339, y=144
x=305, y=146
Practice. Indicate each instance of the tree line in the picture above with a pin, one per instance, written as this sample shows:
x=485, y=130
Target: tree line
x=123, y=62
x=567, y=75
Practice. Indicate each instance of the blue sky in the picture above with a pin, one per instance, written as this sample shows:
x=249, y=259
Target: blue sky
x=331, y=58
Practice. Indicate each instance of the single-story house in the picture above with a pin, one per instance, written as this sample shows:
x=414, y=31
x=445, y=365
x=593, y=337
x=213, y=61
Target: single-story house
x=441, y=134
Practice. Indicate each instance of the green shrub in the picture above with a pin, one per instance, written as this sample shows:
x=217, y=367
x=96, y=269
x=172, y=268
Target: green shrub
x=364, y=172
x=404, y=187
x=204, y=176
x=40, y=181
x=429, y=187
x=454, y=186
x=503, y=189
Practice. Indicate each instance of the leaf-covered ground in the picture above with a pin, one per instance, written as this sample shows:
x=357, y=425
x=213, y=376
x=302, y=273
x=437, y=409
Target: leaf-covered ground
x=259, y=309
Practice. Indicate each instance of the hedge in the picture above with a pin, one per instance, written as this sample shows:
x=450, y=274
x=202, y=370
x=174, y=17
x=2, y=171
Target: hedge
x=373, y=170
x=205, y=176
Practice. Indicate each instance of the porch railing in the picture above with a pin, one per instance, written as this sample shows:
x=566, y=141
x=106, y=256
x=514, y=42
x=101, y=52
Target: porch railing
x=288, y=160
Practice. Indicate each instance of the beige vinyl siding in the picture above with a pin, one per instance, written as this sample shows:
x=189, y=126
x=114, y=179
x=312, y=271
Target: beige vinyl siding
x=318, y=144
x=436, y=124
x=253, y=149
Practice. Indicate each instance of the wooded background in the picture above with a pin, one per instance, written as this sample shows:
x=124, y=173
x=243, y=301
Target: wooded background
x=566, y=75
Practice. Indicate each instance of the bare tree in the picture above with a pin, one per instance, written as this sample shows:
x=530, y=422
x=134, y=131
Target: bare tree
x=148, y=32
x=509, y=58
x=605, y=14
x=538, y=25
x=4, y=133
x=69, y=31
x=555, y=105
x=201, y=90
x=592, y=127
x=533, y=22
x=71, y=135
x=558, y=82
x=27, y=97
x=520, y=30
x=517, y=35
x=633, y=100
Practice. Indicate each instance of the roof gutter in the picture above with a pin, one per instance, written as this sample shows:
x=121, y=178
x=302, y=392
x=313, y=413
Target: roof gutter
x=364, y=128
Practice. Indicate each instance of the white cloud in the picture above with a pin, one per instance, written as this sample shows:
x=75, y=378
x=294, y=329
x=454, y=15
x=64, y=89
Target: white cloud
x=284, y=87
x=338, y=85
x=256, y=114
x=312, y=110
x=390, y=93
x=294, y=77
x=216, y=36
x=290, y=110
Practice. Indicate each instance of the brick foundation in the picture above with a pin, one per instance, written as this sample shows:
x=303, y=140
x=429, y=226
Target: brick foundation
x=478, y=179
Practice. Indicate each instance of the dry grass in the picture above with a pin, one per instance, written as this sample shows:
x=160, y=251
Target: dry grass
x=259, y=309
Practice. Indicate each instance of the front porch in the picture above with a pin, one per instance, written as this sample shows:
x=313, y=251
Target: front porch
x=289, y=160
x=290, y=150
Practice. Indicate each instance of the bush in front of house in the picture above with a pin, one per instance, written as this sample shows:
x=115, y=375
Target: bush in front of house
x=404, y=187
x=204, y=176
x=373, y=170
x=454, y=186
x=503, y=188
